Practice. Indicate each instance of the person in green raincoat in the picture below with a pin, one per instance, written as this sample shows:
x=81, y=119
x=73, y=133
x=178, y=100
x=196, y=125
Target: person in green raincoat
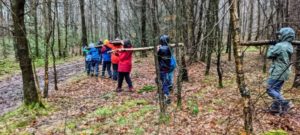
x=280, y=54
x=85, y=51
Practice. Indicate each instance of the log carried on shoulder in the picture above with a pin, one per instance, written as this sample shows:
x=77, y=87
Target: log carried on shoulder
x=264, y=42
x=145, y=48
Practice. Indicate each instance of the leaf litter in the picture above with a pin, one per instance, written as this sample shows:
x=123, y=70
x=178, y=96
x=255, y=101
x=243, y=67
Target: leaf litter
x=90, y=106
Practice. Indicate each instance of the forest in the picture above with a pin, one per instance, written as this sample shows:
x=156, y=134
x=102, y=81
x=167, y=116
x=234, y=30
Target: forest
x=204, y=67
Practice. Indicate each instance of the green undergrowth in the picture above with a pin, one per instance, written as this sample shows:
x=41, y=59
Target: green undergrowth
x=275, y=132
x=23, y=117
x=147, y=88
x=108, y=119
x=11, y=66
x=193, y=107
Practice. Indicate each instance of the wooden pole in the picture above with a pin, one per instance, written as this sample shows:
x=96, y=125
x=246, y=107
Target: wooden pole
x=145, y=48
x=263, y=42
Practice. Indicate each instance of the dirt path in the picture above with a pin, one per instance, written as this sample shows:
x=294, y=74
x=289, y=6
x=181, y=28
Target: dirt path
x=11, y=87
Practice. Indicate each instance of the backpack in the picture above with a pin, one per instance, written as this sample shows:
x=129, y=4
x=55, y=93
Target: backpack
x=88, y=57
x=173, y=63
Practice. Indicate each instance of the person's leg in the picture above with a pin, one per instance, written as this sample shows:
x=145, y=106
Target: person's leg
x=164, y=82
x=128, y=80
x=97, y=68
x=104, y=68
x=171, y=80
x=109, y=69
x=88, y=67
x=273, y=91
x=115, y=71
x=120, y=79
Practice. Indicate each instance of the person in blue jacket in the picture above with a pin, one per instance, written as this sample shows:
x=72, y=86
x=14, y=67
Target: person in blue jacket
x=280, y=54
x=167, y=65
x=106, y=59
x=93, y=68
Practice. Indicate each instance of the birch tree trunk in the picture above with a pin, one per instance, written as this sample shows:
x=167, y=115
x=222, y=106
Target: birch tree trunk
x=240, y=77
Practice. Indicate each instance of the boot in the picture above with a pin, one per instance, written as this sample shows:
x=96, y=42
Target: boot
x=275, y=108
x=119, y=90
x=286, y=106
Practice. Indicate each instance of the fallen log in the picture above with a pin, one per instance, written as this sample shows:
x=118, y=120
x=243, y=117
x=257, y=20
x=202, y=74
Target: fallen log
x=264, y=42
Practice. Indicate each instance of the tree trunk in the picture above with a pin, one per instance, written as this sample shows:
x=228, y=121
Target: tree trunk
x=178, y=54
x=66, y=18
x=143, y=20
x=297, y=67
x=116, y=19
x=4, y=48
x=29, y=90
x=250, y=20
x=185, y=76
x=162, y=104
x=91, y=20
x=258, y=21
x=58, y=30
x=52, y=47
x=211, y=20
x=83, y=26
x=229, y=40
x=48, y=33
x=244, y=91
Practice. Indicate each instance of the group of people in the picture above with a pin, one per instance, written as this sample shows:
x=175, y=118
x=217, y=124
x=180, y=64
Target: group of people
x=118, y=54
x=121, y=60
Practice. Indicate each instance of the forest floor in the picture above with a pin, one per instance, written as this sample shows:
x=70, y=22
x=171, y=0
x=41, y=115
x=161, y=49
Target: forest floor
x=11, y=85
x=84, y=105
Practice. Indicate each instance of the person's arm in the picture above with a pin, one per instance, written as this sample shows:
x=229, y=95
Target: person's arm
x=103, y=49
x=273, y=51
x=111, y=46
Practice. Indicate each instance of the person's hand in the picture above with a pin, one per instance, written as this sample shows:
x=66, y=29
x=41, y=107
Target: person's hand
x=273, y=42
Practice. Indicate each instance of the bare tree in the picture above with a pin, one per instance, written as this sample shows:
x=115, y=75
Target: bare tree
x=29, y=90
x=143, y=20
x=83, y=26
x=48, y=32
x=240, y=77
x=66, y=18
x=58, y=29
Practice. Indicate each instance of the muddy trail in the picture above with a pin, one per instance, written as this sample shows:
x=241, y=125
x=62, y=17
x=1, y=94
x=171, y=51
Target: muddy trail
x=11, y=93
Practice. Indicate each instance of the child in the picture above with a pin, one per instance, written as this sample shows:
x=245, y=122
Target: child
x=106, y=59
x=124, y=67
x=94, y=64
x=87, y=59
x=99, y=43
x=115, y=56
x=164, y=60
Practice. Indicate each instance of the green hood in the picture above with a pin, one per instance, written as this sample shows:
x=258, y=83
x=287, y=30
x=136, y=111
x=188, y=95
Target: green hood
x=286, y=34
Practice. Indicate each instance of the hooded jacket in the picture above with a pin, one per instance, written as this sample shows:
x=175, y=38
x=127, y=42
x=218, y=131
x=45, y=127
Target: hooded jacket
x=281, y=55
x=164, y=57
x=114, y=55
x=105, y=55
x=125, y=61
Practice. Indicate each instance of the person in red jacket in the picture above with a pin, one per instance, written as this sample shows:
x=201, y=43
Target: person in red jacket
x=115, y=45
x=124, y=66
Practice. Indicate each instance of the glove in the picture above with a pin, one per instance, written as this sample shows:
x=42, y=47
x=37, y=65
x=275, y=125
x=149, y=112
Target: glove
x=273, y=42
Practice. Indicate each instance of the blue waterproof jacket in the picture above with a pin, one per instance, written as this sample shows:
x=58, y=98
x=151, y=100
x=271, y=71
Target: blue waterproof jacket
x=281, y=55
x=105, y=55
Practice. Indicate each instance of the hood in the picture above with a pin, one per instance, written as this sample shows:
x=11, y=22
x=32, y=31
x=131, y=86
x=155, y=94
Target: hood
x=106, y=41
x=287, y=34
x=164, y=40
x=127, y=44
